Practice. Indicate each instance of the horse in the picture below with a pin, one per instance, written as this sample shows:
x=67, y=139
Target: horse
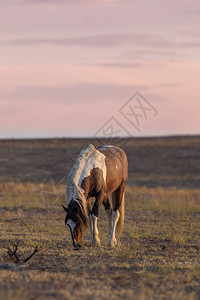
x=97, y=172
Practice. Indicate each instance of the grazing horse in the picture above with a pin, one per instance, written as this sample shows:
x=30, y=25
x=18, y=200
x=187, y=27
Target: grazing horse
x=97, y=172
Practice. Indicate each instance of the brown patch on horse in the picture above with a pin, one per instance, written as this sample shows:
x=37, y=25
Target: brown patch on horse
x=93, y=183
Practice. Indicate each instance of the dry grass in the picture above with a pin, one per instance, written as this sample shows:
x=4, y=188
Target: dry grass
x=165, y=161
x=158, y=257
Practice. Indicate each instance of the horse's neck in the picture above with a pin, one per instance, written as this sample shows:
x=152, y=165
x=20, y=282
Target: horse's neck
x=79, y=195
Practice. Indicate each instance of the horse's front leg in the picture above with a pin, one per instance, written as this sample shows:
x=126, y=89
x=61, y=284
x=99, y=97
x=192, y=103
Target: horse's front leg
x=95, y=237
x=91, y=230
x=90, y=220
x=94, y=214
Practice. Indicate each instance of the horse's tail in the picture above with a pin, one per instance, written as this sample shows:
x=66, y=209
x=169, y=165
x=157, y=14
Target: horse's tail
x=120, y=223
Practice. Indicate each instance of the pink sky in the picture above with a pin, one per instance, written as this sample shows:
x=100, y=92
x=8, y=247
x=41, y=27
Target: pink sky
x=66, y=67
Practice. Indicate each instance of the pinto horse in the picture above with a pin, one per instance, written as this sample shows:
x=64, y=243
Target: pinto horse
x=97, y=172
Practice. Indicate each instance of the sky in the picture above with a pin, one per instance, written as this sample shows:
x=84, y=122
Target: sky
x=90, y=67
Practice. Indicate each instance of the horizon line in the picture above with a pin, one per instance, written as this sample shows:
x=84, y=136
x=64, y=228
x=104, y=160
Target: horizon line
x=99, y=138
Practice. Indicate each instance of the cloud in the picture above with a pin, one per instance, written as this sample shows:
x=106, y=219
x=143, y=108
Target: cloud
x=36, y=2
x=150, y=54
x=102, y=40
x=192, y=44
x=150, y=41
x=187, y=33
x=78, y=92
x=130, y=65
x=60, y=2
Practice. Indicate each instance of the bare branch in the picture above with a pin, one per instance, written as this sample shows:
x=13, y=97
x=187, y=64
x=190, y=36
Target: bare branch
x=13, y=253
x=29, y=257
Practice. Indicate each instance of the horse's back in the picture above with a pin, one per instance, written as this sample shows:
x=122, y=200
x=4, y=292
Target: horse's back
x=116, y=165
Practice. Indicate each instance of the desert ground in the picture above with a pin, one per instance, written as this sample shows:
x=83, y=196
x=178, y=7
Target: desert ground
x=158, y=255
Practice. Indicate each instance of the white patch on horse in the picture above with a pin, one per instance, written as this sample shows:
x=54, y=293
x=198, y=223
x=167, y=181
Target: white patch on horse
x=96, y=239
x=71, y=224
x=109, y=146
x=87, y=160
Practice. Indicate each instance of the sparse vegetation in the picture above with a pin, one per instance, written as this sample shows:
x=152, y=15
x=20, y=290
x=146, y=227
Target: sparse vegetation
x=153, y=162
x=158, y=257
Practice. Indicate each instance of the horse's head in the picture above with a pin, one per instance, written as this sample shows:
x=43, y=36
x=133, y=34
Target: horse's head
x=76, y=222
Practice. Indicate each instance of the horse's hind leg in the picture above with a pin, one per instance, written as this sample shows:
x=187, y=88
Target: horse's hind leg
x=118, y=214
x=115, y=214
x=108, y=210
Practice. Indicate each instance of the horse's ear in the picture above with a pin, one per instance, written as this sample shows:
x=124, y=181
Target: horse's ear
x=65, y=208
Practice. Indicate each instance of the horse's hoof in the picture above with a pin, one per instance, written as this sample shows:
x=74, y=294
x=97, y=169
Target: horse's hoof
x=97, y=243
x=112, y=243
x=94, y=243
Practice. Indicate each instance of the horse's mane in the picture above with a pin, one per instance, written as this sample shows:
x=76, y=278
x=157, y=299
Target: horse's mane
x=74, y=191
